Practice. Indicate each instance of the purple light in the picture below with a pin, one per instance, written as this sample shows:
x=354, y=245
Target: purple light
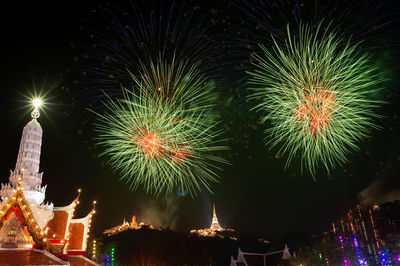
x=341, y=242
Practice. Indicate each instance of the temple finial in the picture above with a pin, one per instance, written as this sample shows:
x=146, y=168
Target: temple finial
x=79, y=194
x=36, y=103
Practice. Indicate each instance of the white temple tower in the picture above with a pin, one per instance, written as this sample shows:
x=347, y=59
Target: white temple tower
x=27, y=165
x=28, y=159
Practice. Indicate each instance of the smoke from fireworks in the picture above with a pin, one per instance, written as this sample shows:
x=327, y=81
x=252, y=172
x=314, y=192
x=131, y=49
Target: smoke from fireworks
x=317, y=91
x=163, y=136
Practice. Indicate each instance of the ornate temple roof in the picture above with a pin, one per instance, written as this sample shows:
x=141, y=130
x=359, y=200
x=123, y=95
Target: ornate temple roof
x=80, y=229
x=17, y=216
x=58, y=226
x=26, y=222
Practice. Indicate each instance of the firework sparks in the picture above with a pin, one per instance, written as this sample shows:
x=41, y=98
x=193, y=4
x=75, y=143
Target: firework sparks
x=151, y=144
x=164, y=136
x=316, y=109
x=318, y=92
x=147, y=30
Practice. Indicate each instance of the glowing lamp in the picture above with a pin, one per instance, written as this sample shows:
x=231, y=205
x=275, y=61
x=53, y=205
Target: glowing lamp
x=37, y=102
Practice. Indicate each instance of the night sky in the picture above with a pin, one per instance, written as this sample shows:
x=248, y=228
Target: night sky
x=256, y=194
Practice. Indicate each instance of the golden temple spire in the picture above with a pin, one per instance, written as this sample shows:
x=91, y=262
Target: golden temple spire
x=214, y=223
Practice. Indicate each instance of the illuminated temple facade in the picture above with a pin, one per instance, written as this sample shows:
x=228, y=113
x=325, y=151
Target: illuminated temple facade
x=125, y=226
x=26, y=220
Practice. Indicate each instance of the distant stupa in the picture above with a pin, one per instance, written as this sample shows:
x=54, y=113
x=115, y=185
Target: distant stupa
x=215, y=230
x=214, y=223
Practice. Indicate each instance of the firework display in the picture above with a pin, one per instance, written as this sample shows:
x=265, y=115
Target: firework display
x=318, y=92
x=162, y=135
x=283, y=114
x=372, y=25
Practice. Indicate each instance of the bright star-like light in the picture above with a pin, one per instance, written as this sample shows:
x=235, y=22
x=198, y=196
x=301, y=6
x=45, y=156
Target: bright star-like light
x=37, y=102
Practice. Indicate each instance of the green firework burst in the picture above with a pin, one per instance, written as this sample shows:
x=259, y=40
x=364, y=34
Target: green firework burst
x=164, y=134
x=318, y=92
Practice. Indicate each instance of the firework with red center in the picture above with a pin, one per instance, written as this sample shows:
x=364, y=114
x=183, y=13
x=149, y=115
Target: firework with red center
x=316, y=109
x=319, y=93
x=151, y=144
x=164, y=137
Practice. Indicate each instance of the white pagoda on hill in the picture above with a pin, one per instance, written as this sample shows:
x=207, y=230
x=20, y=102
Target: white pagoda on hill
x=214, y=223
x=215, y=230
